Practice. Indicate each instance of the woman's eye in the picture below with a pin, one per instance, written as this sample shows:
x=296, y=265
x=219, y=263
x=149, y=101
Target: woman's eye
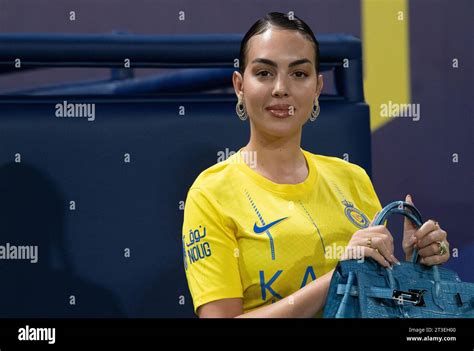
x=267, y=74
x=301, y=74
x=263, y=75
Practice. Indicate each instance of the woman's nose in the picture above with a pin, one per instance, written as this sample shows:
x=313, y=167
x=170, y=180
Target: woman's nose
x=280, y=88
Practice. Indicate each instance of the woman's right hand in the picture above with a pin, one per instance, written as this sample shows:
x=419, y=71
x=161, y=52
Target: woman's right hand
x=375, y=242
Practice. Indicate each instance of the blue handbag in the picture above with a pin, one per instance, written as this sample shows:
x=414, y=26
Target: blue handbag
x=409, y=290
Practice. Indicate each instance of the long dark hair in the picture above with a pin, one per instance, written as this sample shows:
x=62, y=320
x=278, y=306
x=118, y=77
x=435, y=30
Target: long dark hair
x=279, y=20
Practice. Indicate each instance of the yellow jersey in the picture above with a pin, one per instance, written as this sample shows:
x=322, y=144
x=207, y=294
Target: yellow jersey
x=247, y=237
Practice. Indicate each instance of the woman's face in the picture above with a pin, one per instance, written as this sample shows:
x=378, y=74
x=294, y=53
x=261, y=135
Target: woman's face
x=280, y=72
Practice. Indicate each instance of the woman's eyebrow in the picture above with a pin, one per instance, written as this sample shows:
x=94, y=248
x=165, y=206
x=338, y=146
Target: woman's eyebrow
x=274, y=64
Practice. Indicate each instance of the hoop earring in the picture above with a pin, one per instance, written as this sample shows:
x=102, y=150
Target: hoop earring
x=240, y=110
x=315, y=111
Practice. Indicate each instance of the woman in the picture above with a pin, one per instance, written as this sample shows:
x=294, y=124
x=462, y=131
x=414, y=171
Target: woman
x=261, y=239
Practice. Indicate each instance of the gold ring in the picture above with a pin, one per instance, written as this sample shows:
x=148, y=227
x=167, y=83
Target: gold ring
x=442, y=248
x=369, y=242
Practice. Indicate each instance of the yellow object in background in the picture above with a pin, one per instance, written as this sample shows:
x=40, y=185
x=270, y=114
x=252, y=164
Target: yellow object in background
x=386, y=55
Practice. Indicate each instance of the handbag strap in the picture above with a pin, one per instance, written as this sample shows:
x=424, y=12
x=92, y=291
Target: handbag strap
x=412, y=213
x=405, y=209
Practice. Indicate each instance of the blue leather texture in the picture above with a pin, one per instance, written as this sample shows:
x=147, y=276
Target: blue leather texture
x=365, y=289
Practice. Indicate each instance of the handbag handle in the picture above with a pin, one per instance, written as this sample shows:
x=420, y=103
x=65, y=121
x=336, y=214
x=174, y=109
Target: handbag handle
x=411, y=212
x=405, y=209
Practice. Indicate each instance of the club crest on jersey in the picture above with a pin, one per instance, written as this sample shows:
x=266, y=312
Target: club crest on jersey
x=356, y=216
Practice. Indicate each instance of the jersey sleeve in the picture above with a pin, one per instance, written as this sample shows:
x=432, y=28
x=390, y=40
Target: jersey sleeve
x=370, y=201
x=210, y=251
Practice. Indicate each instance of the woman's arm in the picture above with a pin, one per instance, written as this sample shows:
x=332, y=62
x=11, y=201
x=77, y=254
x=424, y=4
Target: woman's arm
x=304, y=303
x=374, y=241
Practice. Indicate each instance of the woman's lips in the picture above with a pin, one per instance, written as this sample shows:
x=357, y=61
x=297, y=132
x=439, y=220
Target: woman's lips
x=281, y=111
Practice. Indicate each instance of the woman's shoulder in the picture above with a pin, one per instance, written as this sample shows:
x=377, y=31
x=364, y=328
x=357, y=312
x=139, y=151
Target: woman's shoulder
x=335, y=165
x=213, y=178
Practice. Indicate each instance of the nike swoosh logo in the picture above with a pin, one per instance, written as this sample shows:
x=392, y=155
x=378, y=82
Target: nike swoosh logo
x=259, y=230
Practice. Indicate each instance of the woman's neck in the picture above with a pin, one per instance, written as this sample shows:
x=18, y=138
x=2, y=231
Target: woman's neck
x=280, y=160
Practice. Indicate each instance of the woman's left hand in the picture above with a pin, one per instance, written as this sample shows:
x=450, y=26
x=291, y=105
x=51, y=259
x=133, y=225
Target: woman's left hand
x=430, y=239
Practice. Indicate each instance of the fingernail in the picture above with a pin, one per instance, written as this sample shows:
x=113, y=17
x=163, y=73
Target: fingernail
x=412, y=240
x=394, y=259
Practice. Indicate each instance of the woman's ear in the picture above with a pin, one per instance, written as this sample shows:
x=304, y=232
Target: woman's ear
x=319, y=85
x=237, y=81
